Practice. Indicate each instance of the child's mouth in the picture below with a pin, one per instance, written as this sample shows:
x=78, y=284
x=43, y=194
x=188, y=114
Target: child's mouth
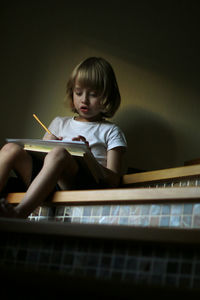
x=84, y=108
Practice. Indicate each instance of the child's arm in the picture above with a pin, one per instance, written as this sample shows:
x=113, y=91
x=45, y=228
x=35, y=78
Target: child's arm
x=113, y=170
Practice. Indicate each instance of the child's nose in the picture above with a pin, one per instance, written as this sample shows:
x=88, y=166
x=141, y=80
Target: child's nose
x=85, y=98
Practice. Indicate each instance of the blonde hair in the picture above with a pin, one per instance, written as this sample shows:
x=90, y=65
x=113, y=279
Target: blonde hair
x=96, y=74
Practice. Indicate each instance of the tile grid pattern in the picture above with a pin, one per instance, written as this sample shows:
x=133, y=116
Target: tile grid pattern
x=157, y=215
x=158, y=265
x=183, y=215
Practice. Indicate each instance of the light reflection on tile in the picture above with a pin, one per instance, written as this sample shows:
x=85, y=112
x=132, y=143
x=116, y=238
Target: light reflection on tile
x=186, y=221
x=155, y=209
x=196, y=209
x=175, y=221
x=176, y=209
x=96, y=210
x=185, y=215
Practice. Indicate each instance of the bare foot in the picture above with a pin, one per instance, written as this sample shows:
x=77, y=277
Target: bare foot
x=6, y=209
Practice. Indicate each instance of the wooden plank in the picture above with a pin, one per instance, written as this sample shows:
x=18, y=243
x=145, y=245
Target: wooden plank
x=164, y=174
x=124, y=195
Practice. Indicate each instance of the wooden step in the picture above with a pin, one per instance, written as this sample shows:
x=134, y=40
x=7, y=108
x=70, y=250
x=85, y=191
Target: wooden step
x=163, y=174
x=122, y=195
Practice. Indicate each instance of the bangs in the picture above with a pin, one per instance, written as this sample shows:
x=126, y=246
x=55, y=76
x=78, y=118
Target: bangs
x=91, y=79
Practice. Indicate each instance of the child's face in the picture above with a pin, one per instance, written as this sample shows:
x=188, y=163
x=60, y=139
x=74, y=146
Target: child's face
x=87, y=104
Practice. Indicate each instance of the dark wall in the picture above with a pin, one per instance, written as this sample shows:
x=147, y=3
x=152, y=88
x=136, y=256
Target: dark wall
x=153, y=47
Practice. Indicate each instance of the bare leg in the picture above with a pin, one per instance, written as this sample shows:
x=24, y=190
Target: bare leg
x=58, y=165
x=14, y=157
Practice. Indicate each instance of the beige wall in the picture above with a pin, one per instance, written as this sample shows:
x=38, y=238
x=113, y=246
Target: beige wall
x=153, y=51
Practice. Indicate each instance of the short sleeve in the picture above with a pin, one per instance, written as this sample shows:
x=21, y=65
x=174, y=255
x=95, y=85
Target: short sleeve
x=116, y=138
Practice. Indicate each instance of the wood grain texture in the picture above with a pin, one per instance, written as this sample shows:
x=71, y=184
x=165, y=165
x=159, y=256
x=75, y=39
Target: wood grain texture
x=123, y=195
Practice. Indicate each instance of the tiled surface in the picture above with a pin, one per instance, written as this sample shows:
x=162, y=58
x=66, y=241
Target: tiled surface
x=175, y=183
x=158, y=264
x=185, y=215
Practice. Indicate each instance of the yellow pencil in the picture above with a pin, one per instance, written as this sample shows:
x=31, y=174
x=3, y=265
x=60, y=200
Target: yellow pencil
x=47, y=130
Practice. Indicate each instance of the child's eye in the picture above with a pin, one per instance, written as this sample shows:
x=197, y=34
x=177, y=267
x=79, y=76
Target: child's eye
x=93, y=94
x=78, y=93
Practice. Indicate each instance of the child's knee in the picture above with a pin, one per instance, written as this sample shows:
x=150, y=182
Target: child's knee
x=57, y=155
x=61, y=158
x=12, y=149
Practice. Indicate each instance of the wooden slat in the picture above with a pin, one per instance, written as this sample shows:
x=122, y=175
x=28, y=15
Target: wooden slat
x=124, y=195
x=164, y=174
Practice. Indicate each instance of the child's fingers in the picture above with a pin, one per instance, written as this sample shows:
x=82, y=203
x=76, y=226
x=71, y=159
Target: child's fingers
x=52, y=137
x=80, y=138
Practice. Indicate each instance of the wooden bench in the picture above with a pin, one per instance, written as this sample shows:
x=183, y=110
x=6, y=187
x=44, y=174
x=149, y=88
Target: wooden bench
x=180, y=184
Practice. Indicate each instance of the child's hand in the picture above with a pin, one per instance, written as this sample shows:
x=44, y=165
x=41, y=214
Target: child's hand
x=81, y=138
x=52, y=137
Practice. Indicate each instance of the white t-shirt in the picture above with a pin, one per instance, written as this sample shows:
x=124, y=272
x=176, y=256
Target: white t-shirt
x=102, y=136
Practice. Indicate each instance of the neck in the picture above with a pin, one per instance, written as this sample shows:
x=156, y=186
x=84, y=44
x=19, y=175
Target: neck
x=94, y=119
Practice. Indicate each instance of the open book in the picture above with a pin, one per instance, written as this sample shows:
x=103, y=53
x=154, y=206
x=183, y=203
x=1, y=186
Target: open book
x=76, y=148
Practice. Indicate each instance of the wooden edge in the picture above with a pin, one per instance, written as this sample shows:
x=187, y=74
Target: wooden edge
x=115, y=232
x=124, y=195
x=164, y=174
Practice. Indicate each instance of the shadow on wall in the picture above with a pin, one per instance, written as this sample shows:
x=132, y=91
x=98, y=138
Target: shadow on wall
x=151, y=141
